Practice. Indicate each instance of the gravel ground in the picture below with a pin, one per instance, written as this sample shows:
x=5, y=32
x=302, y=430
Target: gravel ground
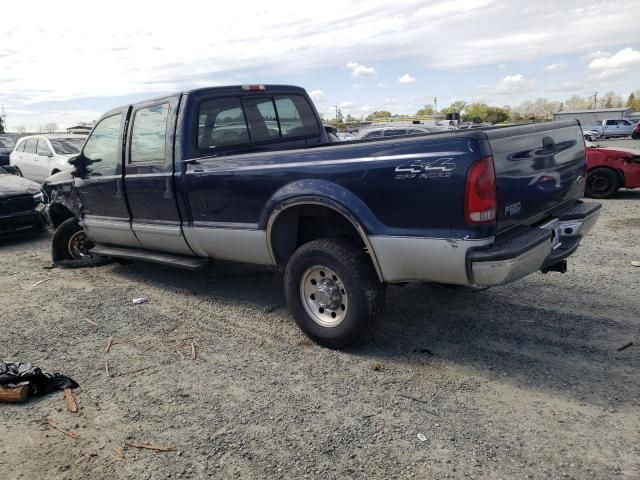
x=520, y=381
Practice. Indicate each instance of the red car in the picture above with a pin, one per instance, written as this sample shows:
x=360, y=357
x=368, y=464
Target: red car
x=609, y=169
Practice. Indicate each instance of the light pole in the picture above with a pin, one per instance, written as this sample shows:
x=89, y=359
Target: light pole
x=435, y=106
x=595, y=100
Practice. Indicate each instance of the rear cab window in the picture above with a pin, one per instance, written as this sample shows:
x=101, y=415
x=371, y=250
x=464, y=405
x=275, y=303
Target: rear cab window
x=253, y=120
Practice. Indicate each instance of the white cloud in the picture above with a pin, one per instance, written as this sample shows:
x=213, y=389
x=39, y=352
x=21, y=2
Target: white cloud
x=358, y=70
x=127, y=59
x=406, y=78
x=607, y=74
x=511, y=84
x=555, y=66
x=318, y=96
x=627, y=57
x=596, y=54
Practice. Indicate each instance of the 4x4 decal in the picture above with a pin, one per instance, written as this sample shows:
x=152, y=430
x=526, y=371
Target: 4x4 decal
x=426, y=168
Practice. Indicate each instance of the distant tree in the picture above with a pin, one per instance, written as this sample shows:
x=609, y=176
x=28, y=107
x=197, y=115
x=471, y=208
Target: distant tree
x=51, y=127
x=634, y=100
x=1, y=125
x=425, y=111
x=455, y=107
x=612, y=100
x=577, y=103
x=21, y=129
x=378, y=114
x=350, y=119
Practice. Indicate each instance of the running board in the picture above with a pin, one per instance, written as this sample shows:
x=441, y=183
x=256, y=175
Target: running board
x=181, y=261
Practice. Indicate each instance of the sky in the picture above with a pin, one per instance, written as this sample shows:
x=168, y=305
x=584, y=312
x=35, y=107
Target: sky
x=66, y=62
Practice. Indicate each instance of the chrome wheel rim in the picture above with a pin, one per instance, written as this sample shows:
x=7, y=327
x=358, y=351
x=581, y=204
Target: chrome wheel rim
x=79, y=245
x=324, y=296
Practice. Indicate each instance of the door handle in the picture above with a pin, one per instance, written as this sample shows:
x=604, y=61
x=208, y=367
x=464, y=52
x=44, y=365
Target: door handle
x=119, y=188
x=168, y=191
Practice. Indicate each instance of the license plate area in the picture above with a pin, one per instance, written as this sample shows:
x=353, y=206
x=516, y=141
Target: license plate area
x=554, y=226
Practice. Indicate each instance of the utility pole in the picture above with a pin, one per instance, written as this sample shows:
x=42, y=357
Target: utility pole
x=435, y=105
x=595, y=100
x=336, y=113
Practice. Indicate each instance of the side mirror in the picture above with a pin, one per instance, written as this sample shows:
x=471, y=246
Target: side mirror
x=46, y=153
x=78, y=164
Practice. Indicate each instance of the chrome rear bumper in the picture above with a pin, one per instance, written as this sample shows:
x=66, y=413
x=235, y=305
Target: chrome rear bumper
x=533, y=250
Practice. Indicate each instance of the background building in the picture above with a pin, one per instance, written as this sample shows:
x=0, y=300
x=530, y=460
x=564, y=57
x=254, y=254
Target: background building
x=590, y=117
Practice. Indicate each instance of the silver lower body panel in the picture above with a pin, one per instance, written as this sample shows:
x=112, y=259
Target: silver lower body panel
x=240, y=245
x=408, y=259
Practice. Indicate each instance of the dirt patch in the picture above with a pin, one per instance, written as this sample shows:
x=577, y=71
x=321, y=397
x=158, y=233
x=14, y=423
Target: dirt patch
x=521, y=381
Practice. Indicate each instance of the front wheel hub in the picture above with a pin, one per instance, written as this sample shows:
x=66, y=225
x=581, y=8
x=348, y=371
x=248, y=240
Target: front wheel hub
x=79, y=246
x=323, y=296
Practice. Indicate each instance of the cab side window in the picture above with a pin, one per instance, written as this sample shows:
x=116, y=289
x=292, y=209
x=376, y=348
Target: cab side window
x=296, y=117
x=30, y=145
x=221, y=122
x=43, y=148
x=103, y=152
x=149, y=134
x=234, y=121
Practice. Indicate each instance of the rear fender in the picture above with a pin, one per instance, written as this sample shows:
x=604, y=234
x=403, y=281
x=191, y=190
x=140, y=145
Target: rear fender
x=326, y=194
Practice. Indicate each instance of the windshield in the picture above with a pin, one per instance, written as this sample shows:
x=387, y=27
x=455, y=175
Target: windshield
x=66, y=146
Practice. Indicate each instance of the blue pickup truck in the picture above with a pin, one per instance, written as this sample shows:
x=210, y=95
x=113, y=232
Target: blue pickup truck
x=249, y=174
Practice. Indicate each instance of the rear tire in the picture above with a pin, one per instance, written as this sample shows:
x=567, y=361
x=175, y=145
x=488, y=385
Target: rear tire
x=70, y=247
x=333, y=292
x=602, y=183
x=636, y=136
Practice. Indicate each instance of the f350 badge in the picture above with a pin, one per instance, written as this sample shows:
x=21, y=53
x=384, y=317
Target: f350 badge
x=426, y=168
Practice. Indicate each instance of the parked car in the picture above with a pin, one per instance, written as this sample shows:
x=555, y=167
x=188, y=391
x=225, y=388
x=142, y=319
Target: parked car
x=21, y=205
x=156, y=181
x=636, y=132
x=37, y=157
x=7, y=144
x=391, y=131
x=590, y=135
x=613, y=128
x=611, y=168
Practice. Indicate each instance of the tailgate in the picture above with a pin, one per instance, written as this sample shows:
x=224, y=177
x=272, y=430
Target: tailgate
x=539, y=168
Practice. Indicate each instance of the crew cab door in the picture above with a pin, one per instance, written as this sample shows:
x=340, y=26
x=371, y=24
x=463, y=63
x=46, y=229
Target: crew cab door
x=105, y=214
x=149, y=180
x=611, y=127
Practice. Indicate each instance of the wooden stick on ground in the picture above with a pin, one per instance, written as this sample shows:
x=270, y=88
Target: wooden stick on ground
x=108, y=370
x=194, y=354
x=109, y=343
x=70, y=400
x=136, y=371
x=55, y=426
x=15, y=394
x=150, y=446
x=91, y=322
x=118, y=451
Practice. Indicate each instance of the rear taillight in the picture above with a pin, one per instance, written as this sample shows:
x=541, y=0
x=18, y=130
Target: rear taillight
x=480, y=204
